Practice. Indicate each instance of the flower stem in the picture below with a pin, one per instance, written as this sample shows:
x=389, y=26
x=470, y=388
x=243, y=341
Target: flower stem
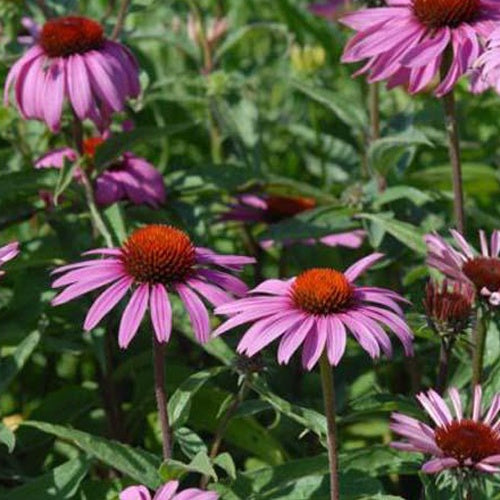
x=374, y=105
x=443, y=368
x=161, y=397
x=454, y=152
x=479, y=345
x=120, y=21
x=221, y=429
x=96, y=216
x=329, y=401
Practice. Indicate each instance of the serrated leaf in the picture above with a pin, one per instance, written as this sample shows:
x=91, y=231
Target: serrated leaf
x=138, y=464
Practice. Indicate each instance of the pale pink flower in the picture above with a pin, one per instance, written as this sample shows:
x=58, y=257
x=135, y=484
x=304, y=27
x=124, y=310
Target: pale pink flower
x=317, y=309
x=454, y=441
x=72, y=61
x=405, y=43
x=167, y=492
x=8, y=252
x=486, y=73
x=129, y=178
x=464, y=264
x=268, y=209
x=154, y=262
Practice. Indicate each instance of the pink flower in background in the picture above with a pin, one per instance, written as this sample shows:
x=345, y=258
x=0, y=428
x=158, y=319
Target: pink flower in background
x=317, y=309
x=268, y=209
x=328, y=10
x=31, y=33
x=167, y=492
x=466, y=265
x=8, y=252
x=154, y=262
x=454, y=441
x=129, y=178
x=72, y=60
x=405, y=42
x=487, y=68
x=216, y=29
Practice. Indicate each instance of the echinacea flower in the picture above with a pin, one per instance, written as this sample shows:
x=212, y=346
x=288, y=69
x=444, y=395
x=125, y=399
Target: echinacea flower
x=454, y=441
x=155, y=261
x=409, y=41
x=8, y=252
x=449, y=307
x=486, y=72
x=72, y=60
x=317, y=309
x=128, y=178
x=167, y=492
x=466, y=265
x=269, y=209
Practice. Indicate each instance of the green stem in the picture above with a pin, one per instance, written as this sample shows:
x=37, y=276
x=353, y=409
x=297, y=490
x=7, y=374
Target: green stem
x=454, y=153
x=374, y=98
x=329, y=402
x=479, y=345
x=221, y=429
x=443, y=367
x=161, y=397
x=120, y=21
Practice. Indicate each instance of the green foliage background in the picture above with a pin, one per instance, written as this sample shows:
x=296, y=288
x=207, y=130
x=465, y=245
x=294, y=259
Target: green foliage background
x=288, y=124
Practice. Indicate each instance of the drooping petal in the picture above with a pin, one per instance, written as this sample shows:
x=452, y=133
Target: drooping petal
x=133, y=315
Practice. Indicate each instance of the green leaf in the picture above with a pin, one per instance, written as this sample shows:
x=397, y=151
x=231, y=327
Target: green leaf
x=115, y=218
x=410, y=193
x=7, y=437
x=12, y=364
x=58, y=484
x=179, y=404
x=201, y=463
x=384, y=154
x=174, y=469
x=118, y=144
x=138, y=464
x=409, y=235
x=349, y=112
x=225, y=462
x=310, y=419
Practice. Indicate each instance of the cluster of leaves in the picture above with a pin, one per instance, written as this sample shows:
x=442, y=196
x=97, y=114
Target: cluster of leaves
x=83, y=412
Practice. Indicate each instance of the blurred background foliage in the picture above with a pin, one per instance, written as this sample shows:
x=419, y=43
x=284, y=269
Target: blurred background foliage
x=273, y=110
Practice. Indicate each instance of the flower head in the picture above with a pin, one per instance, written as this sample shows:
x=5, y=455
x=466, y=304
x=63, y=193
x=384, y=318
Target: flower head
x=455, y=441
x=8, y=252
x=73, y=60
x=465, y=265
x=155, y=261
x=449, y=309
x=167, y=492
x=270, y=209
x=128, y=178
x=408, y=42
x=316, y=309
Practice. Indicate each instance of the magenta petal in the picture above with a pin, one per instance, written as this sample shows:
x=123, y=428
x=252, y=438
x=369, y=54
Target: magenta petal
x=167, y=491
x=438, y=464
x=335, y=340
x=135, y=493
x=133, y=315
x=358, y=268
x=106, y=301
x=161, y=313
x=197, y=312
x=79, y=91
x=54, y=94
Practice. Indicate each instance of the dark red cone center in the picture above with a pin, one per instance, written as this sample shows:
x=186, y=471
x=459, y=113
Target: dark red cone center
x=483, y=272
x=440, y=13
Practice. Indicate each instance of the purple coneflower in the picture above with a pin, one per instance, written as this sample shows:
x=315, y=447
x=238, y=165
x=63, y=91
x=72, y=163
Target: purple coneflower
x=72, y=59
x=487, y=68
x=128, y=178
x=407, y=42
x=269, y=209
x=8, y=252
x=466, y=265
x=167, y=492
x=317, y=309
x=455, y=441
x=154, y=261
